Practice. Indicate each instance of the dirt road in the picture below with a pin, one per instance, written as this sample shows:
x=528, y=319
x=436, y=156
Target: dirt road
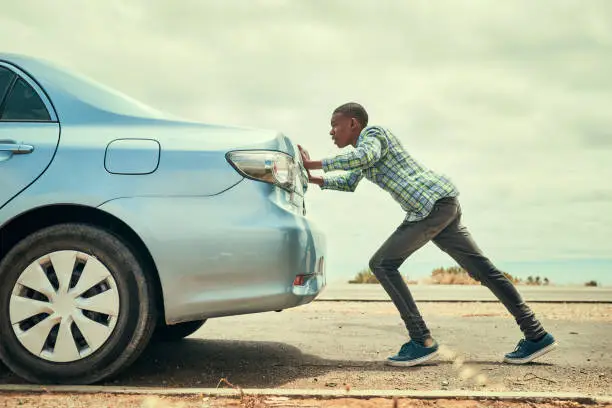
x=335, y=345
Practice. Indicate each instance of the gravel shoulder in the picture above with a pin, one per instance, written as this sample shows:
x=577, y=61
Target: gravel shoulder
x=139, y=401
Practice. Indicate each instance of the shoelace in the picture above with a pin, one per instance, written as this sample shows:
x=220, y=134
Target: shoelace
x=520, y=343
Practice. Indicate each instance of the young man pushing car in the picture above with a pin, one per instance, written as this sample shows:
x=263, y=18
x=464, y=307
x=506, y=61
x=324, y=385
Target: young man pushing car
x=432, y=213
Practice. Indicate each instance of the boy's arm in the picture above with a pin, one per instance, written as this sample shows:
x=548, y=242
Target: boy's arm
x=344, y=182
x=365, y=155
x=347, y=181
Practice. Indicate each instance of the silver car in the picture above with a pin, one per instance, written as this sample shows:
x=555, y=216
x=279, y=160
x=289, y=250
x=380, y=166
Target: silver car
x=120, y=225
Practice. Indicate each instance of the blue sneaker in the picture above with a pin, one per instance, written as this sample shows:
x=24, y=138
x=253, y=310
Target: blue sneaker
x=412, y=354
x=528, y=350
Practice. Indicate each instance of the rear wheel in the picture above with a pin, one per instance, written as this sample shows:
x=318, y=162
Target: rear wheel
x=75, y=306
x=176, y=332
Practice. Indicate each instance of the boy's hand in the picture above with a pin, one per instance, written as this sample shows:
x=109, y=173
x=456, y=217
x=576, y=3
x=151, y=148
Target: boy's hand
x=308, y=164
x=304, y=153
x=315, y=180
x=305, y=157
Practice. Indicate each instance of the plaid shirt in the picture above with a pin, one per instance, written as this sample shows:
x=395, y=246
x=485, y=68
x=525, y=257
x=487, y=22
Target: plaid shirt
x=380, y=157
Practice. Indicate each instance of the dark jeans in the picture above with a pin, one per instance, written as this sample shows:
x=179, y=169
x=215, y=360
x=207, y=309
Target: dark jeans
x=443, y=227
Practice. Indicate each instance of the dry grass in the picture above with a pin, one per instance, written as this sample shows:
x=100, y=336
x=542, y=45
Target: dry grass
x=453, y=275
x=366, y=276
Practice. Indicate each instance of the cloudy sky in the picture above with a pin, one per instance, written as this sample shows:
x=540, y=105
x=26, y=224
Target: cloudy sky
x=511, y=100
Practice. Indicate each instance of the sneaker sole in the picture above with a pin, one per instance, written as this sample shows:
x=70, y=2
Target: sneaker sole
x=532, y=357
x=412, y=362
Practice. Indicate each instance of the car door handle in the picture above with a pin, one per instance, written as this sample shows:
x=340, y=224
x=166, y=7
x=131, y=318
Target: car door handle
x=16, y=148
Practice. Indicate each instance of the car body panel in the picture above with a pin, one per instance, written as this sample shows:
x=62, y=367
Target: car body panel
x=219, y=256
x=222, y=244
x=179, y=173
x=104, y=116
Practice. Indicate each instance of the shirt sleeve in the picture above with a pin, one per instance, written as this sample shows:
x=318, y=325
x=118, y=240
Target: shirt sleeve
x=368, y=152
x=346, y=181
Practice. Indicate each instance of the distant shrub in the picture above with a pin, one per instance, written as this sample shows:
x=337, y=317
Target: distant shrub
x=591, y=283
x=453, y=275
x=537, y=281
x=513, y=279
x=365, y=276
x=456, y=275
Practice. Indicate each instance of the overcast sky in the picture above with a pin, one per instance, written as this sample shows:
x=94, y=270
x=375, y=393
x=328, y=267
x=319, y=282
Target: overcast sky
x=512, y=100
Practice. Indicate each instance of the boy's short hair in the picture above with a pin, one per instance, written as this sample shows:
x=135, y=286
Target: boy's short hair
x=354, y=110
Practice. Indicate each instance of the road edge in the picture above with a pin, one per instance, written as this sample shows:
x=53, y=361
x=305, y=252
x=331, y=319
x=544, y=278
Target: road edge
x=311, y=393
x=356, y=300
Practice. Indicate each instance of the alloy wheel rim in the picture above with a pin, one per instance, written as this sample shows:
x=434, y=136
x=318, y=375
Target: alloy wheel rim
x=64, y=306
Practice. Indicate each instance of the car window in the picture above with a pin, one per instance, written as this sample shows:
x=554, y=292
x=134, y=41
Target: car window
x=6, y=77
x=24, y=104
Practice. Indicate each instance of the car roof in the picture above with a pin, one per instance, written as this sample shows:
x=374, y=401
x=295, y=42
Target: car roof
x=79, y=99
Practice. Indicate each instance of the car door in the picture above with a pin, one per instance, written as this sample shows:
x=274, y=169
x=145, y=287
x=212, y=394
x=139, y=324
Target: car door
x=29, y=132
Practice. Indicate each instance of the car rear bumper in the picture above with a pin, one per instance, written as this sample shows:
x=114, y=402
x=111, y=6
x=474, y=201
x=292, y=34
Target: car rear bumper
x=243, y=251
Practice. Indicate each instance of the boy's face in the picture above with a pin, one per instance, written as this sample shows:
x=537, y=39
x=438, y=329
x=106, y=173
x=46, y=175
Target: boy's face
x=344, y=130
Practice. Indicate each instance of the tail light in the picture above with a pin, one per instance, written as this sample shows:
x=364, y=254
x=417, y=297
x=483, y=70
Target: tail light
x=268, y=166
x=300, y=280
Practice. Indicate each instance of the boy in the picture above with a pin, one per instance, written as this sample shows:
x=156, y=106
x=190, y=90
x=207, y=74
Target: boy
x=432, y=213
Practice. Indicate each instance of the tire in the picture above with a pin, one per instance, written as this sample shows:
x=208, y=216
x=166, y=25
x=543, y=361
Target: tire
x=176, y=332
x=113, y=330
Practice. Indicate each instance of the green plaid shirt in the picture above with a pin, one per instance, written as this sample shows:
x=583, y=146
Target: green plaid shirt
x=380, y=157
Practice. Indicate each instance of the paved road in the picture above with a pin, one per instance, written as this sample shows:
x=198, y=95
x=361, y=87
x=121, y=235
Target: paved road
x=327, y=345
x=370, y=292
